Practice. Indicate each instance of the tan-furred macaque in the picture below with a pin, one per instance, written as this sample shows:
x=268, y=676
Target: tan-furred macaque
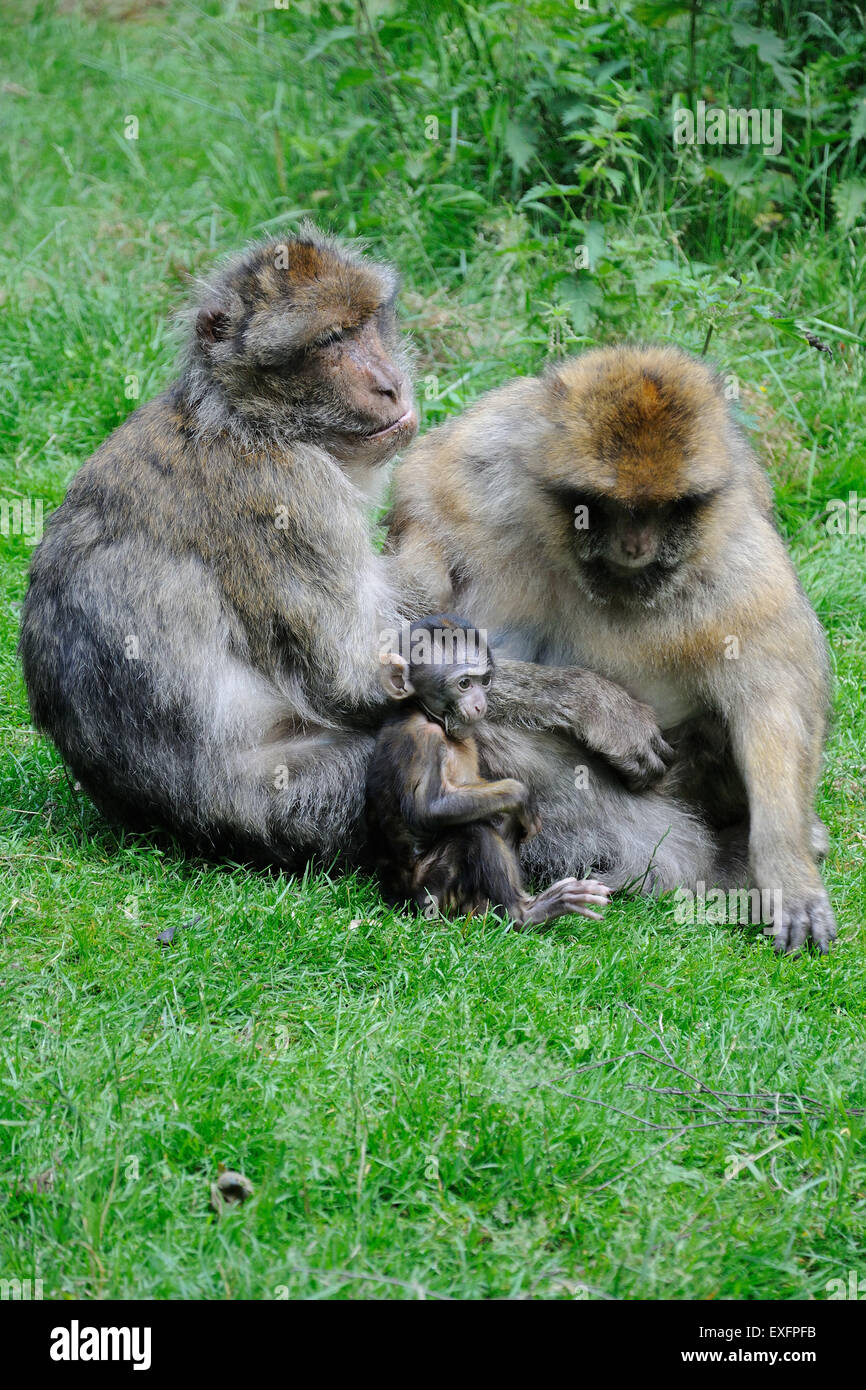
x=610, y=513
x=442, y=836
x=200, y=636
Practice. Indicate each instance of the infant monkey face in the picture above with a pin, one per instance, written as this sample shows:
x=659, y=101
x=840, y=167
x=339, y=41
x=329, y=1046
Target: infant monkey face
x=446, y=667
x=469, y=694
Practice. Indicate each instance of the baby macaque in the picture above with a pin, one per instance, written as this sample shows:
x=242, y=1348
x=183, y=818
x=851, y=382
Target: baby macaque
x=442, y=836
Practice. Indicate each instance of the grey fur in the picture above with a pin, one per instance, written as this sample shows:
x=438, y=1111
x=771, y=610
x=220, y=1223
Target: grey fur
x=199, y=636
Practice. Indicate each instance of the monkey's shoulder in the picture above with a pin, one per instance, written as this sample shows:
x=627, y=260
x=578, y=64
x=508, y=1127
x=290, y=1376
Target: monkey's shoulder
x=142, y=465
x=406, y=744
x=410, y=727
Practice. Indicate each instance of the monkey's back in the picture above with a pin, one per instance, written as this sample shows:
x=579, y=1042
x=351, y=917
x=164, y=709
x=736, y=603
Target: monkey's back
x=401, y=760
x=133, y=659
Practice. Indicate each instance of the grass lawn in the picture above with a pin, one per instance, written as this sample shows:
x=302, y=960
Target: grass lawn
x=411, y=1100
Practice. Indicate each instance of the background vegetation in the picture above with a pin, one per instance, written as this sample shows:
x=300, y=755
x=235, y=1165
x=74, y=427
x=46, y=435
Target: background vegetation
x=403, y=1094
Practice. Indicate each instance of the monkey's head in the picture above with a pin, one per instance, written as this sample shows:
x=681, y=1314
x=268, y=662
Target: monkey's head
x=641, y=450
x=447, y=670
x=300, y=335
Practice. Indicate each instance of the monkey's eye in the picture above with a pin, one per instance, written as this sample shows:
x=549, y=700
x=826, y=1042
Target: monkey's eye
x=334, y=337
x=464, y=683
x=690, y=503
x=485, y=679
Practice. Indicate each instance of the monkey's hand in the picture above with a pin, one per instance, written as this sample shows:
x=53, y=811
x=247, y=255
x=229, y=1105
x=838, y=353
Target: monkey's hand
x=528, y=821
x=804, y=918
x=523, y=822
x=625, y=732
x=596, y=712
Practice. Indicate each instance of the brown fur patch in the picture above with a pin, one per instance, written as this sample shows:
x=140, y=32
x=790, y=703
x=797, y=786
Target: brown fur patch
x=325, y=288
x=640, y=424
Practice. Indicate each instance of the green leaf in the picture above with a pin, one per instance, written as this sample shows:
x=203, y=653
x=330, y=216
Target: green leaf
x=346, y=31
x=658, y=12
x=595, y=243
x=521, y=143
x=579, y=112
x=771, y=49
x=550, y=190
x=580, y=298
x=608, y=70
x=353, y=77
x=849, y=200
x=858, y=124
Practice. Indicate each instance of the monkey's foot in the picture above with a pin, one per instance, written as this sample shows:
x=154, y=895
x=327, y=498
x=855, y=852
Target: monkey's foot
x=569, y=896
x=809, y=919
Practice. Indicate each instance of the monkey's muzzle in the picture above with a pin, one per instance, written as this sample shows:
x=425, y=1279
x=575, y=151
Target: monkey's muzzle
x=408, y=420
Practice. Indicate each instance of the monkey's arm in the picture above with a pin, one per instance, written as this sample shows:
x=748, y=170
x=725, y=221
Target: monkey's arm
x=775, y=714
x=478, y=801
x=437, y=803
x=598, y=713
x=780, y=856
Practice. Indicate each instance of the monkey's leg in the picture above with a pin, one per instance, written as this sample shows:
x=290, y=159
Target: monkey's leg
x=470, y=871
x=569, y=896
x=179, y=729
x=438, y=888
x=820, y=838
x=477, y=869
x=311, y=791
x=704, y=774
x=590, y=824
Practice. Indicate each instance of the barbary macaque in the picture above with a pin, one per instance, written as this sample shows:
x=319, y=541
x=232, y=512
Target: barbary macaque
x=200, y=635
x=610, y=513
x=442, y=836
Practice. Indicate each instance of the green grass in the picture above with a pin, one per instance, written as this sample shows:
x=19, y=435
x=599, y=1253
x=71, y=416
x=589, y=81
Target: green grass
x=406, y=1096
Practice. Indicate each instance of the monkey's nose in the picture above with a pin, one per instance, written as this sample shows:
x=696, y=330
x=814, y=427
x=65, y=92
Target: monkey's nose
x=385, y=382
x=634, y=547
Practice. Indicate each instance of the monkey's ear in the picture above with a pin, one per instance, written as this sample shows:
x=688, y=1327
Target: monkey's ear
x=395, y=676
x=211, y=324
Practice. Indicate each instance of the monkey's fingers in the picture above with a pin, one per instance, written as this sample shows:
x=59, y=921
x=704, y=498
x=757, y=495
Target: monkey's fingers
x=810, y=920
x=665, y=750
x=584, y=894
x=592, y=885
x=645, y=762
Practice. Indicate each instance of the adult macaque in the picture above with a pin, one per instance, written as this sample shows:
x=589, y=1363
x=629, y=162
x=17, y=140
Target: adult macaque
x=200, y=634
x=609, y=513
x=442, y=836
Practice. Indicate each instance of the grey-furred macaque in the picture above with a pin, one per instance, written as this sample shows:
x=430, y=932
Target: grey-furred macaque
x=441, y=835
x=200, y=635
x=610, y=513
